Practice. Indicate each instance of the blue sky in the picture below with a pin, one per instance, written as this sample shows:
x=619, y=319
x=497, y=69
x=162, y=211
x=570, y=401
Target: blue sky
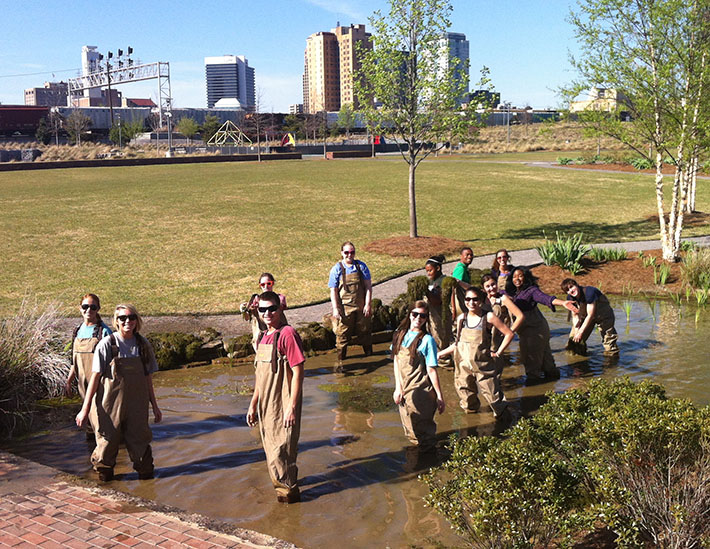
x=525, y=43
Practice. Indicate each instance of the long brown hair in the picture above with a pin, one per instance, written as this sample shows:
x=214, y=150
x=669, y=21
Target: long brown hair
x=496, y=264
x=404, y=326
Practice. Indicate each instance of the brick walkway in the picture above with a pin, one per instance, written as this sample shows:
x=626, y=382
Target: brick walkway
x=40, y=509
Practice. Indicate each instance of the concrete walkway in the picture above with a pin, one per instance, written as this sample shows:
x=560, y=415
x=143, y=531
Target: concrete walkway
x=234, y=325
x=41, y=507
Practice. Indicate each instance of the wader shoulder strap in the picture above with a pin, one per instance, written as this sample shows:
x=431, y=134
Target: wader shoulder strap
x=341, y=278
x=114, y=346
x=74, y=333
x=143, y=352
x=413, y=346
x=359, y=272
x=260, y=337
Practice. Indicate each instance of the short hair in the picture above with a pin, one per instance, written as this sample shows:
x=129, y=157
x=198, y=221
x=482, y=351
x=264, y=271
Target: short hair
x=346, y=243
x=273, y=297
x=567, y=283
x=129, y=307
x=466, y=248
x=269, y=276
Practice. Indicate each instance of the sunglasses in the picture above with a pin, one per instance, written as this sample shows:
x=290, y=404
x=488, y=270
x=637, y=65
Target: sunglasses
x=472, y=299
x=126, y=318
x=270, y=309
x=269, y=283
x=503, y=256
x=87, y=306
x=416, y=314
x=349, y=252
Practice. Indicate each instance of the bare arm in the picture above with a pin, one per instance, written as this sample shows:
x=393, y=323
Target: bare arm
x=83, y=414
x=251, y=413
x=513, y=309
x=397, y=395
x=70, y=379
x=157, y=414
x=587, y=324
x=434, y=378
x=502, y=328
x=367, y=309
x=296, y=391
x=569, y=305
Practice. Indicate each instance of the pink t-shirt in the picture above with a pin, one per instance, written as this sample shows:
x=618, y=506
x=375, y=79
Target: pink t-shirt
x=289, y=344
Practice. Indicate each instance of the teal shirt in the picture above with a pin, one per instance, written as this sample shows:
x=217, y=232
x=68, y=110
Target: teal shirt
x=87, y=332
x=461, y=273
x=427, y=347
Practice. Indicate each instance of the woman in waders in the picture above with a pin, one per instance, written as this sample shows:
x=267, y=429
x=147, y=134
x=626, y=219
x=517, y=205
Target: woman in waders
x=417, y=390
x=249, y=309
x=534, y=333
x=84, y=340
x=478, y=368
x=278, y=395
x=440, y=330
x=121, y=388
x=502, y=268
x=503, y=307
x=594, y=309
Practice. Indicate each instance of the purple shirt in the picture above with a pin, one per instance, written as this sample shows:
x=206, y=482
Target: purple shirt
x=528, y=299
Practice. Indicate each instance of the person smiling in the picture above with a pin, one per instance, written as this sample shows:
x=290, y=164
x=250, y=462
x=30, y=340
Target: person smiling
x=461, y=273
x=117, y=398
x=594, y=309
x=249, y=309
x=278, y=394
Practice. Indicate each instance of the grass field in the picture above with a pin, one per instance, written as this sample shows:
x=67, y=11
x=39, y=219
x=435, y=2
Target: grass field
x=194, y=238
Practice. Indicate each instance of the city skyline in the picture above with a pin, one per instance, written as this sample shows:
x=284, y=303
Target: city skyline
x=525, y=46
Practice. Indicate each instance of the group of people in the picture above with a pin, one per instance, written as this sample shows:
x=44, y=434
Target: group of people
x=472, y=331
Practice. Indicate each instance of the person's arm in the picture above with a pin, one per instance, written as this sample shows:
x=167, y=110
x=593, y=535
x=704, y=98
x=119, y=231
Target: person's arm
x=83, y=414
x=513, y=309
x=70, y=379
x=450, y=348
x=157, y=414
x=569, y=305
x=502, y=328
x=296, y=390
x=251, y=413
x=367, y=309
x=434, y=378
x=397, y=395
x=587, y=324
x=458, y=275
x=335, y=302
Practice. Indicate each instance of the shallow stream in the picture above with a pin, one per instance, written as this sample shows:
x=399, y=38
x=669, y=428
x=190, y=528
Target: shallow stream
x=358, y=479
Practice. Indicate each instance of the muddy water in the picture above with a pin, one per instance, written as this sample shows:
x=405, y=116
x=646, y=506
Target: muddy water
x=358, y=479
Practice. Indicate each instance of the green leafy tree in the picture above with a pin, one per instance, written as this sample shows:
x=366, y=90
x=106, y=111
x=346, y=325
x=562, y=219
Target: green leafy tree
x=209, y=127
x=293, y=124
x=402, y=89
x=346, y=118
x=43, y=133
x=188, y=127
x=76, y=125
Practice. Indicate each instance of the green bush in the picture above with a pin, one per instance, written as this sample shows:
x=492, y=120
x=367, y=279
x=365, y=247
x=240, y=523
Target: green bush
x=607, y=254
x=618, y=455
x=174, y=349
x=641, y=163
x=566, y=251
x=564, y=161
x=695, y=268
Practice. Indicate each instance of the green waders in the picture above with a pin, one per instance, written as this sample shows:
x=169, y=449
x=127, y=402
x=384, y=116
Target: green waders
x=273, y=383
x=418, y=404
x=353, y=325
x=120, y=412
x=475, y=370
x=604, y=320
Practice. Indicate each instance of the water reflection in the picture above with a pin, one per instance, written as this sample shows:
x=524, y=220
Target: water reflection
x=358, y=475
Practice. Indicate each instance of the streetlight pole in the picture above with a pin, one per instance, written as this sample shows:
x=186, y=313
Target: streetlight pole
x=119, y=131
x=507, y=106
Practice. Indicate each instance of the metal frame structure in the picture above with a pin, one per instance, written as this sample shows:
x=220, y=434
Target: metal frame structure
x=229, y=132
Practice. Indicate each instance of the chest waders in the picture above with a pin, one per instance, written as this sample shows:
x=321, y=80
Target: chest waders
x=418, y=404
x=476, y=370
x=440, y=332
x=120, y=413
x=535, y=352
x=353, y=325
x=604, y=320
x=82, y=355
x=273, y=383
x=501, y=311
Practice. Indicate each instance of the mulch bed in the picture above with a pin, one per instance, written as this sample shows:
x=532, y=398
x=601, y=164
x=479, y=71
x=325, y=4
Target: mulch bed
x=421, y=247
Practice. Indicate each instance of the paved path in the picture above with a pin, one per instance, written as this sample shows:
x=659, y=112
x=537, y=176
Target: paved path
x=41, y=507
x=233, y=325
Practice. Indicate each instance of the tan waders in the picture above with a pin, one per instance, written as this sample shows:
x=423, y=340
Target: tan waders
x=501, y=311
x=418, y=404
x=604, y=320
x=273, y=383
x=120, y=412
x=440, y=331
x=535, y=352
x=353, y=325
x=475, y=370
x=82, y=357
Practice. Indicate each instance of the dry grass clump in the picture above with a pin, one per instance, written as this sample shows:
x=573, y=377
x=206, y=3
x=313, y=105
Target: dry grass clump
x=32, y=362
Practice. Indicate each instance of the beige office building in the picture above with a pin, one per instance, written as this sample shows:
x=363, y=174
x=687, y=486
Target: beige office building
x=330, y=64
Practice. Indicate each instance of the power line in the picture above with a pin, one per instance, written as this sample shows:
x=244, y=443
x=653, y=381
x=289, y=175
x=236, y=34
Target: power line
x=36, y=73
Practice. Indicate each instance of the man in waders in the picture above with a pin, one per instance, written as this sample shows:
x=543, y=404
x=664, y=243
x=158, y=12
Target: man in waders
x=350, y=295
x=594, y=309
x=278, y=394
x=458, y=303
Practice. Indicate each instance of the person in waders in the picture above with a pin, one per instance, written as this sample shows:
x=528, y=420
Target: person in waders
x=249, y=309
x=594, y=309
x=440, y=330
x=534, y=332
x=503, y=307
x=417, y=389
x=458, y=304
x=84, y=340
x=502, y=268
x=350, y=296
x=118, y=395
x=477, y=368
x=278, y=395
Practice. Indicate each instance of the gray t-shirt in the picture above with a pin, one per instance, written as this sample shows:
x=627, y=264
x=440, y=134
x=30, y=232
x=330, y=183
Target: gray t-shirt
x=126, y=349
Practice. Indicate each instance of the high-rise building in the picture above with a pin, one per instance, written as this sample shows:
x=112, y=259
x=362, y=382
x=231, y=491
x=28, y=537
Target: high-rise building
x=330, y=64
x=457, y=49
x=53, y=94
x=230, y=79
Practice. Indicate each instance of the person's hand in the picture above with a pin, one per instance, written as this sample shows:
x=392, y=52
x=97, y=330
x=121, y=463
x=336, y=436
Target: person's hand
x=440, y=404
x=367, y=310
x=251, y=416
x=577, y=337
x=336, y=314
x=494, y=354
x=157, y=414
x=67, y=388
x=290, y=419
x=570, y=306
x=397, y=396
x=81, y=418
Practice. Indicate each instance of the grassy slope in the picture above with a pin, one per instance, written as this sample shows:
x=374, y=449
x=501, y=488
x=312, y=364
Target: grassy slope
x=194, y=238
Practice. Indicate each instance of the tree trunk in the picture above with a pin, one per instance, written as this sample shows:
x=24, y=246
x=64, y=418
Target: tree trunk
x=412, y=198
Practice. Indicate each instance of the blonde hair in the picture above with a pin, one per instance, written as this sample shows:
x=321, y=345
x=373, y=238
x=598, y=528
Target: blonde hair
x=129, y=307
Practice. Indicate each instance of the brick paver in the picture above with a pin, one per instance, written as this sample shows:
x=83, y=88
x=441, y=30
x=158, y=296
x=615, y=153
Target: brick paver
x=39, y=510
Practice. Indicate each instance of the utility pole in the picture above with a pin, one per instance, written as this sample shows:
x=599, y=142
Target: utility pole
x=507, y=106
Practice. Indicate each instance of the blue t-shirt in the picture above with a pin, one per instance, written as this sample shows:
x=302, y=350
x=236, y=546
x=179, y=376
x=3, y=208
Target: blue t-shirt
x=87, y=332
x=337, y=270
x=427, y=347
x=590, y=293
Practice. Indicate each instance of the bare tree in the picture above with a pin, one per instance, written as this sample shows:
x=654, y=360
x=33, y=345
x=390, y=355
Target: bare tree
x=76, y=124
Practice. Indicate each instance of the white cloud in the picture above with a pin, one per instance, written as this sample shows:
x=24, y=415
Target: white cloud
x=340, y=7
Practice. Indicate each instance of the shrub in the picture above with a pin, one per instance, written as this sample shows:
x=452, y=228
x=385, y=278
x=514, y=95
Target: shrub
x=695, y=268
x=174, y=349
x=618, y=455
x=641, y=163
x=607, y=254
x=33, y=364
x=564, y=161
x=567, y=252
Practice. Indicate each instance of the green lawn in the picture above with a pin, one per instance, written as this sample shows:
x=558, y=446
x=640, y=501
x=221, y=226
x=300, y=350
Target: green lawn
x=194, y=238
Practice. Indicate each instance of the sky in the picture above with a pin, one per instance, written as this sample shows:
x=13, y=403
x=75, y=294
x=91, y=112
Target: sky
x=525, y=43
